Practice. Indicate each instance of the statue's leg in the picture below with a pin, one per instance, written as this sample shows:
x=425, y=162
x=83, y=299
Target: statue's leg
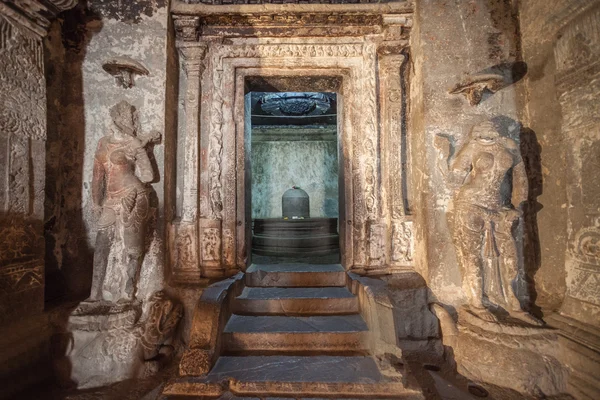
x=104, y=241
x=134, y=237
x=509, y=272
x=469, y=244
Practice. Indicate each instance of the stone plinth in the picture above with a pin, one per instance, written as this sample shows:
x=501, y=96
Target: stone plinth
x=295, y=237
x=509, y=354
x=106, y=345
x=107, y=342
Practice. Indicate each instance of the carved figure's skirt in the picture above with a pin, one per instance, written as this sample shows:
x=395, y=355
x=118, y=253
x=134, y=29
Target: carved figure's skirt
x=131, y=207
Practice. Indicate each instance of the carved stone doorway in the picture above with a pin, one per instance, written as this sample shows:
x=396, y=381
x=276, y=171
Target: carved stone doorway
x=363, y=60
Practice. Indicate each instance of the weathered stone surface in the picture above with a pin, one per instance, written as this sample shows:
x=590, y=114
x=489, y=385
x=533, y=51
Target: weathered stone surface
x=534, y=366
x=109, y=342
x=264, y=334
x=296, y=301
x=298, y=376
x=295, y=275
x=23, y=133
x=425, y=240
x=486, y=210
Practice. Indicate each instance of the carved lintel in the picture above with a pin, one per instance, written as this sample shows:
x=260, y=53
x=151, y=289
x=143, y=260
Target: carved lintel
x=298, y=19
x=187, y=28
x=34, y=14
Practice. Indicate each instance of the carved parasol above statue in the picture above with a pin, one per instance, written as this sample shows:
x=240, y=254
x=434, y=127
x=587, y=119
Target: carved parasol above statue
x=123, y=69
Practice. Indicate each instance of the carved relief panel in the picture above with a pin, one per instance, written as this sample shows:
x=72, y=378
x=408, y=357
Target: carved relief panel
x=22, y=128
x=22, y=140
x=577, y=52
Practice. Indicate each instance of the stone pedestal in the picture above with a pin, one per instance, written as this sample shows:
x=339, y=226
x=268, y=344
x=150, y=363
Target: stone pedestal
x=106, y=342
x=105, y=345
x=509, y=354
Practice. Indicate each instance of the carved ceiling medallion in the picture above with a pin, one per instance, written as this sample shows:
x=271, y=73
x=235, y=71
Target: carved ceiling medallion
x=295, y=104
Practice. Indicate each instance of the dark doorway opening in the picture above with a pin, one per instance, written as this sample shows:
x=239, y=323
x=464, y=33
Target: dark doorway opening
x=294, y=168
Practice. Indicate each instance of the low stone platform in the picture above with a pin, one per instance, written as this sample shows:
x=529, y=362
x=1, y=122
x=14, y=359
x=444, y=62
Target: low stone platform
x=295, y=275
x=291, y=375
x=295, y=237
x=296, y=301
x=293, y=331
x=276, y=334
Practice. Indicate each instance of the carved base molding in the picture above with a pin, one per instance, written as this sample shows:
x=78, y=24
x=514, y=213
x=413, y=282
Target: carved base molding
x=100, y=343
x=580, y=352
x=515, y=356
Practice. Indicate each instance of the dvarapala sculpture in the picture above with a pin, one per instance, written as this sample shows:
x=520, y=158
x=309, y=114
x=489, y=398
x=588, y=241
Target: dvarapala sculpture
x=120, y=191
x=493, y=185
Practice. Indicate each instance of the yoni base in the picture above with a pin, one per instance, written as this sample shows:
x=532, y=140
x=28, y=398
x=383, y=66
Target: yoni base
x=103, y=345
x=509, y=354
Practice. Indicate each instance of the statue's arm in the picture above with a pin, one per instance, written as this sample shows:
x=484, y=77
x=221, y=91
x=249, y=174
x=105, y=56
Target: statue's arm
x=144, y=165
x=520, y=183
x=461, y=164
x=98, y=181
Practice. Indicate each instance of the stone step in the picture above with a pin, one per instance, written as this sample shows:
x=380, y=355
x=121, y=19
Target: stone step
x=296, y=301
x=271, y=377
x=337, y=334
x=295, y=275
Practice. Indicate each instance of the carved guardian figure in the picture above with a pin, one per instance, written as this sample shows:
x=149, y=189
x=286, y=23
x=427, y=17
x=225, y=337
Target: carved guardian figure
x=486, y=210
x=120, y=192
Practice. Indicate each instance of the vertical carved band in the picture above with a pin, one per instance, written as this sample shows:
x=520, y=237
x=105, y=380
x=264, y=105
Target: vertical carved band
x=192, y=59
x=577, y=54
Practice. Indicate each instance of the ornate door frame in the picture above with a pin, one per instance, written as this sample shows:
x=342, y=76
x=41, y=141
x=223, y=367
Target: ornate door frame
x=208, y=238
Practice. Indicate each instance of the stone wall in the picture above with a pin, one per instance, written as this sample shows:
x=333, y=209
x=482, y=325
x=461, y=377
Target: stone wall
x=279, y=165
x=450, y=44
x=25, y=331
x=542, y=114
x=82, y=93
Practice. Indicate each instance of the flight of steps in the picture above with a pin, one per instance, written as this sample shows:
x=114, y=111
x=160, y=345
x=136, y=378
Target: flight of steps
x=296, y=332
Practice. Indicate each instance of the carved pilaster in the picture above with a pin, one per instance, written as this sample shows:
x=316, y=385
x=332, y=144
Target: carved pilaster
x=22, y=140
x=392, y=91
x=185, y=260
x=192, y=57
x=577, y=55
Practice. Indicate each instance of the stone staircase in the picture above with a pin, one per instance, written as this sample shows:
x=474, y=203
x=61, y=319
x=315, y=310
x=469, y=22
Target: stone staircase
x=296, y=331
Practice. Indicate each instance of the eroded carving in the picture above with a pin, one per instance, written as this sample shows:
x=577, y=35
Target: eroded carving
x=473, y=87
x=112, y=342
x=492, y=185
x=163, y=317
x=402, y=242
x=124, y=69
x=584, y=257
x=186, y=27
x=490, y=80
x=120, y=192
x=23, y=101
x=211, y=244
